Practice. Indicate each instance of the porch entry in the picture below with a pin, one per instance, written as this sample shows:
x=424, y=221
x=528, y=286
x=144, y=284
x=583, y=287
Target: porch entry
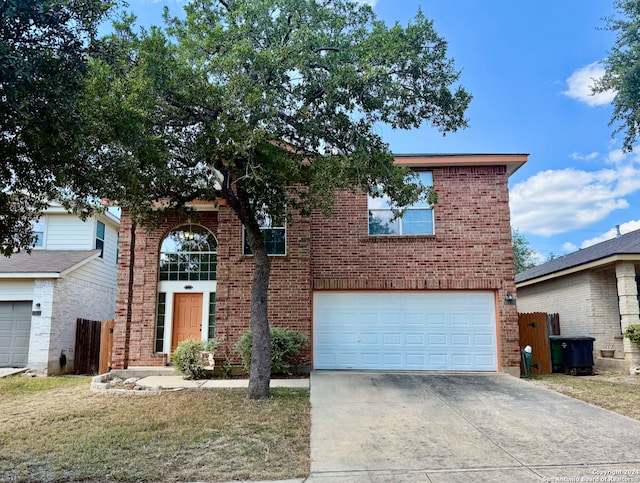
x=187, y=318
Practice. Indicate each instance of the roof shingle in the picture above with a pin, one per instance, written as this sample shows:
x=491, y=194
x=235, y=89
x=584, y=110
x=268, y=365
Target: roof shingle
x=44, y=261
x=629, y=243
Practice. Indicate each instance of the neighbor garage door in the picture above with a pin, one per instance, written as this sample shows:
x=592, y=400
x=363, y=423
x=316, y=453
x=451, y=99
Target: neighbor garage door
x=15, y=326
x=448, y=331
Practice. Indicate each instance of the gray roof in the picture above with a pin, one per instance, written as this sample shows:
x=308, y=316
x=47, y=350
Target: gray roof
x=627, y=244
x=44, y=261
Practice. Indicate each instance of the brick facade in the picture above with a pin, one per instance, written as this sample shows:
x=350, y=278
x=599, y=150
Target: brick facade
x=471, y=250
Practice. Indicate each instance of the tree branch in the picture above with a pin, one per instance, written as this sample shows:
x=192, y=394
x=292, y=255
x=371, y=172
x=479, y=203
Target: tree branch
x=325, y=49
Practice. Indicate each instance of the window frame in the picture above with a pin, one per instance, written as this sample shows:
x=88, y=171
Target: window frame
x=100, y=242
x=211, y=323
x=418, y=207
x=266, y=226
x=187, y=257
x=161, y=318
x=40, y=234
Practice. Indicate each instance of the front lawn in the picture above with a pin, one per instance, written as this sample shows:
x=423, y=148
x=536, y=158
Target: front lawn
x=56, y=429
x=617, y=393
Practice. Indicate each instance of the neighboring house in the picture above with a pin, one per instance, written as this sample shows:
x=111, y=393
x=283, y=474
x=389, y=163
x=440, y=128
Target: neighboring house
x=70, y=273
x=595, y=292
x=431, y=291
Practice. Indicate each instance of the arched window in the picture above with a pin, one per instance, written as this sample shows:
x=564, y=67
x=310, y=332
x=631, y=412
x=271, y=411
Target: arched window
x=188, y=253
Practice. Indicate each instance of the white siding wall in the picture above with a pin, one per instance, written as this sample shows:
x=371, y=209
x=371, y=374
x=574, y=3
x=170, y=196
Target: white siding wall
x=65, y=231
x=68, y=232
x=102, y=271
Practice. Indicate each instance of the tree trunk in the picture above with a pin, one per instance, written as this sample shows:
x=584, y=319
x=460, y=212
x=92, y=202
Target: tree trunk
x=260, y=375
x=240, y=202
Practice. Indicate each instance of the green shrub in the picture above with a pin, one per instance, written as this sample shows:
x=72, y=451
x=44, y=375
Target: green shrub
x=188, y=356
x=632, y=332
x=286, y=348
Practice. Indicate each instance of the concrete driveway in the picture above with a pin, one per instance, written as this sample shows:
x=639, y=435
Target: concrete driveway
x=410, y=427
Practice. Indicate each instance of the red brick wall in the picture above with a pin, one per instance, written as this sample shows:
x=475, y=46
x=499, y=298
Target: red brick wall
x=289, y=291
x=138, y=259
x=289, y=288
x=471, y=249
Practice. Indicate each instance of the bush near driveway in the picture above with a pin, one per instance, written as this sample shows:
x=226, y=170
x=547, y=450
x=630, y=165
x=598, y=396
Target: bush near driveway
x=56, y=429
x=287, y=346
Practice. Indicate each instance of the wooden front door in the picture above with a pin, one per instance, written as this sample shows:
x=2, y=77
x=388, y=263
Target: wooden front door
x=187, y=318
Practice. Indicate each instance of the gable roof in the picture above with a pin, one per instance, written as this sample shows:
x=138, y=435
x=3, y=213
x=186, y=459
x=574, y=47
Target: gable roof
x=626, y=246
x=44, y=263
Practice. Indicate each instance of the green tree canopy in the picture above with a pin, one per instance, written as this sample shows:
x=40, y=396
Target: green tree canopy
x=272, y=105
x=622, y=71
x=522, y=252
x=43, y=60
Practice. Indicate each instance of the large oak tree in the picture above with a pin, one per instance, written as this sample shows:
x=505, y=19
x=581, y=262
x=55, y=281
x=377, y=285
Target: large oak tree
x=273, y=105
x=44, y=47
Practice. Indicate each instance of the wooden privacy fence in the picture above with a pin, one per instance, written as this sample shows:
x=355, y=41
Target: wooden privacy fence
x=535, y=329
x=94, y=342
x=106, y=345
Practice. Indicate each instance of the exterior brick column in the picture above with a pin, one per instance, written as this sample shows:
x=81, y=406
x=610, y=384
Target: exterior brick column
x=628, y=304
x=122, y=327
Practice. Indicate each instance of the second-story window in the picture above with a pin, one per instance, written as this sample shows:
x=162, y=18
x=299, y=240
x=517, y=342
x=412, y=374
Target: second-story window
x=416, y=220
x=275, y=238
x=100, y=231
x=38, y=232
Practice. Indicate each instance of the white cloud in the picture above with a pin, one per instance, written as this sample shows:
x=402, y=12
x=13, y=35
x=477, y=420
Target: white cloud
x=624, y=228
x=558, y=201
x=617, y=156
x=584, y=157
x=568, y=247
x=580, y=82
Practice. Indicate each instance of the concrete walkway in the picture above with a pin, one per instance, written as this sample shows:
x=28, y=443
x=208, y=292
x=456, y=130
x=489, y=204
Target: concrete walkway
x=385, y=427
x=9, y=371
x=173, y=382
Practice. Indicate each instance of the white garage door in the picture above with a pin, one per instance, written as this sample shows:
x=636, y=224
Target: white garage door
x=440, y=331
x=15, y=327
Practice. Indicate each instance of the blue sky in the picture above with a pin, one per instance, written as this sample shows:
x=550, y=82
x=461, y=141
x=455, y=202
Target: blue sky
x=528, y=66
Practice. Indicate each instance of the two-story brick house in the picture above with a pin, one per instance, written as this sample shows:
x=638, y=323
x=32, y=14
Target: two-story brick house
x=70, y=273
x=431, y=291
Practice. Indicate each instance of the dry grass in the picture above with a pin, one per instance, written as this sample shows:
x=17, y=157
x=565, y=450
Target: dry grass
x=56, y=429
x=620, y=394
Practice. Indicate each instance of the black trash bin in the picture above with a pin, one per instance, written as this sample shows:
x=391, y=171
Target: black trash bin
x=577, y=354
